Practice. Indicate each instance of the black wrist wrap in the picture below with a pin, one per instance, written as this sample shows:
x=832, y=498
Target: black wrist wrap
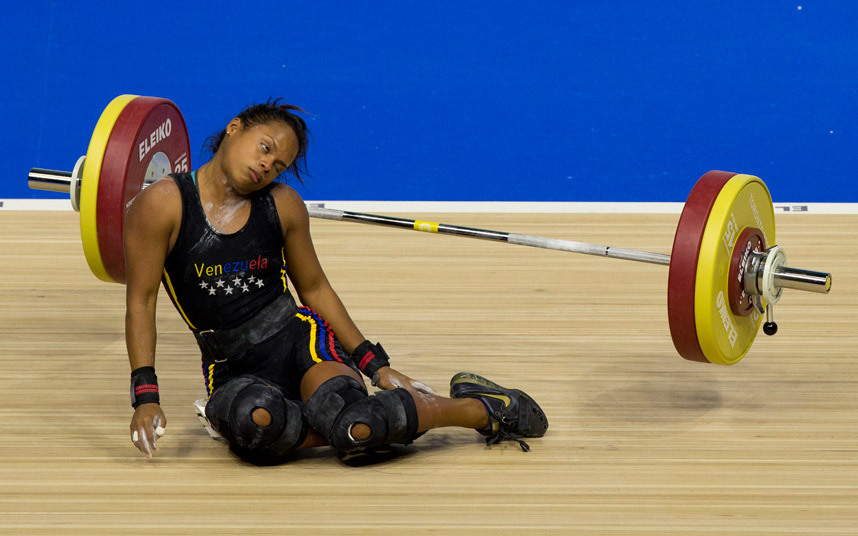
x=144, y=387
x=370, y=357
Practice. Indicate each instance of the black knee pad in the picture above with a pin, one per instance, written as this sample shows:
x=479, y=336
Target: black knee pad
x=230, y=410
x=342, y=402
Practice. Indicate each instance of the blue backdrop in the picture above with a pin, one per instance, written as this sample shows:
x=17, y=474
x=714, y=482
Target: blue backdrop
x=610, y=100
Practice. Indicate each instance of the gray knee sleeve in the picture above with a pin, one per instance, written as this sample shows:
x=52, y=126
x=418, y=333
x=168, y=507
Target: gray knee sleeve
x=342, y=402
x=230, y=409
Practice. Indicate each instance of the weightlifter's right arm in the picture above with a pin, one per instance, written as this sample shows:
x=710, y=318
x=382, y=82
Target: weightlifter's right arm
x=151, y=223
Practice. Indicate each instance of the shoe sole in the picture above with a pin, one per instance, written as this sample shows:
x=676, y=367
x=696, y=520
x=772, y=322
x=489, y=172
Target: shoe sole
x=470, y=377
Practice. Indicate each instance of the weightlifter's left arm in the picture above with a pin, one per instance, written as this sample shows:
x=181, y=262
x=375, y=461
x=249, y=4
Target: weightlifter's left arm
x=151, y=223
x=315, y=291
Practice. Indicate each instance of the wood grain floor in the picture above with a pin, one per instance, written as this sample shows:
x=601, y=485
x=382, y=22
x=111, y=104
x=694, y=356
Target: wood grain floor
x=641, y=442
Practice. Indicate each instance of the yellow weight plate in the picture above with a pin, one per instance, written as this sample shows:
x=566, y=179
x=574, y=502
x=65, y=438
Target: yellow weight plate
x=724, y=336
x=89, y=184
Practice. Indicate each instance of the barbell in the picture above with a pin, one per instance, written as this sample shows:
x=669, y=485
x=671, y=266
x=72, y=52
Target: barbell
x=725, y=270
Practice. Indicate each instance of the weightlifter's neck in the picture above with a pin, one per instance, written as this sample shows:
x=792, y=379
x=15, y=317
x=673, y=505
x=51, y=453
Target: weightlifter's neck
x=214, y=186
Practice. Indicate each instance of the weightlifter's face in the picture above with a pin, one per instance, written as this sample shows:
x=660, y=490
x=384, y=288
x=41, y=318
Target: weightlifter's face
x=255, y=156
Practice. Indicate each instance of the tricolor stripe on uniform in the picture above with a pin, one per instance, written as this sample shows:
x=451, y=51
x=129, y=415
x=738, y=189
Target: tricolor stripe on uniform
x=322, y=346
x=283, y=270
x=208, y=375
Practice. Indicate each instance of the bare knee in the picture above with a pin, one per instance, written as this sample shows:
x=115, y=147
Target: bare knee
x=261, y=417
x=360, y=431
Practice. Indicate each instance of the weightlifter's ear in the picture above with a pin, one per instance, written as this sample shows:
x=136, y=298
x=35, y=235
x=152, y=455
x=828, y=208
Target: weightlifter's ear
x=233, y=126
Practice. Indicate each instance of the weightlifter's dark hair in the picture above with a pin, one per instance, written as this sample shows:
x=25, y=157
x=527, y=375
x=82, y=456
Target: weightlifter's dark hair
x=272, y=110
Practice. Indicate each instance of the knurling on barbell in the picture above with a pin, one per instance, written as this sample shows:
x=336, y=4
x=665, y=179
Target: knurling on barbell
x=725, y=271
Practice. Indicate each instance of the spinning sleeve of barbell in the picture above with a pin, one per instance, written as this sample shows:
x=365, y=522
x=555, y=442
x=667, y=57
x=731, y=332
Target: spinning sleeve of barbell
x=798, y=279
x=49, y=180
x=52, y=180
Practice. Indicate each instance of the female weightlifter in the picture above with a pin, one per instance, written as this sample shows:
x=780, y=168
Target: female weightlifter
x=278, y=377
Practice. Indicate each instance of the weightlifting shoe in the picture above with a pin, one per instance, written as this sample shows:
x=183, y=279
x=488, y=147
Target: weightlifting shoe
x=512, y=413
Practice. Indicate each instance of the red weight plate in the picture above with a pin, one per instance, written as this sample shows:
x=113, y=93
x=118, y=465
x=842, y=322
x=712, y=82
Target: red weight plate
x=683, y=263
x=750, y=239
x=149, y=140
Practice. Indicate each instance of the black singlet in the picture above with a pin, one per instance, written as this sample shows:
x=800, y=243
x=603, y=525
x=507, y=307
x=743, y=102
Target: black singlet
x=218, y=280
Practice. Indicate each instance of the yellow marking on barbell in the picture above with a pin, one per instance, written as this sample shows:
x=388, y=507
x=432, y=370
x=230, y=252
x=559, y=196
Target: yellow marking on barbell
x=426, y=226
x=89, y=184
